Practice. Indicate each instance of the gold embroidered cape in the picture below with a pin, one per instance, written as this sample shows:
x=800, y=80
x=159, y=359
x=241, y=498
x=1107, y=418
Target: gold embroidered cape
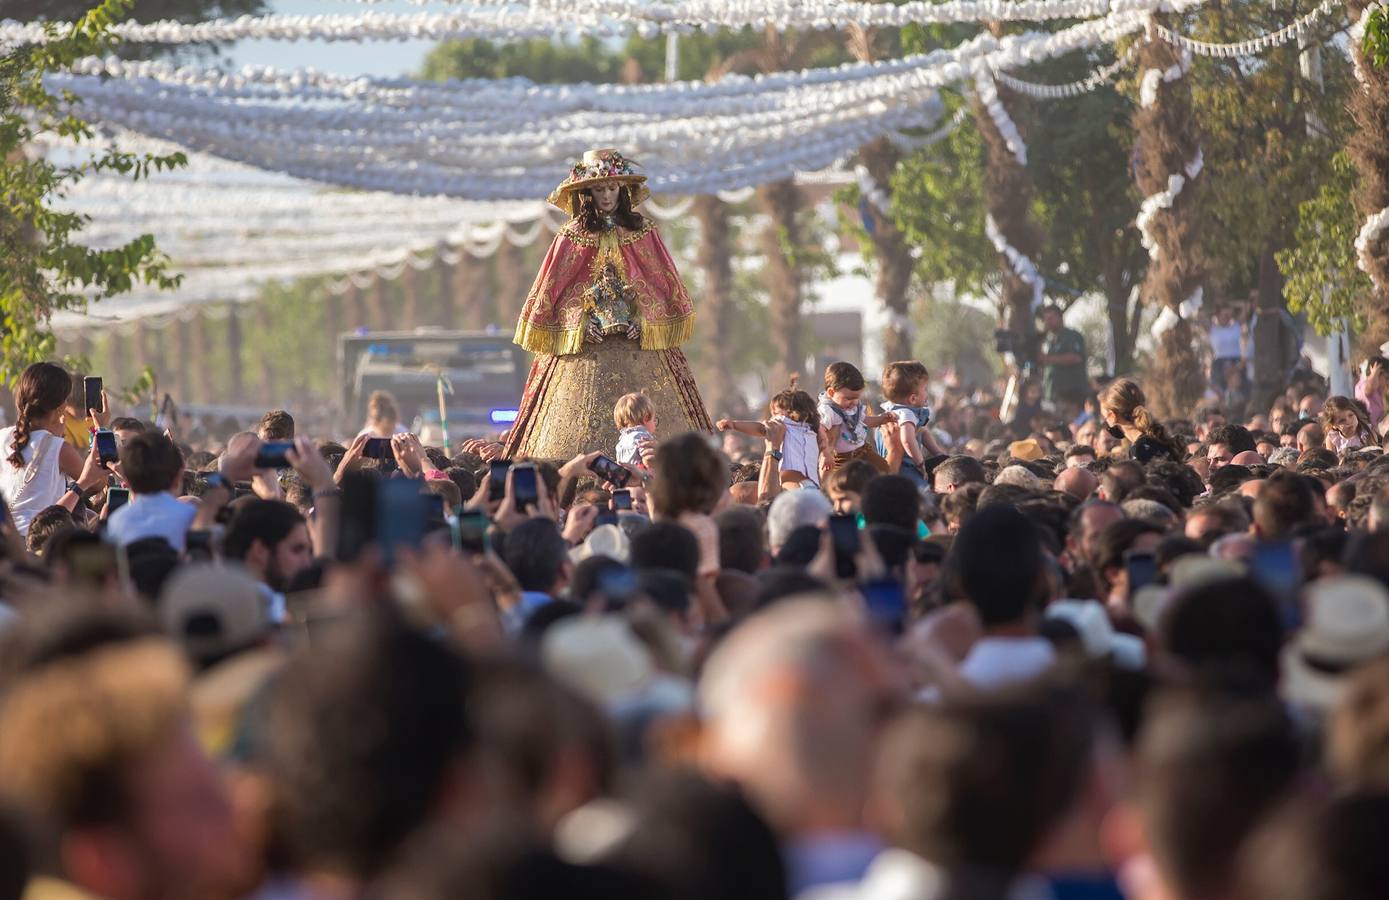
x=555, y=315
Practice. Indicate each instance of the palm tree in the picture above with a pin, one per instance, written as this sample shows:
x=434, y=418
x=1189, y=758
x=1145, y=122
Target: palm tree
x=890, y=248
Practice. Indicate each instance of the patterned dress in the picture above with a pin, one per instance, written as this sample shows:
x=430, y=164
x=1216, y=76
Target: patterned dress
x=567, y=406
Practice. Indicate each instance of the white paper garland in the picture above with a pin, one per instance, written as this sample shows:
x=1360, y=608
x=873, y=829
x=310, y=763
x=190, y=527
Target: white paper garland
x=1152, y=78
x=993, y=105
x=872, y=191
x=611, y=18
x=1252, y=46
x=1163, y=200
x=1095, y=79
x=803, y=121
x=1021, y=265
x=1371, y=231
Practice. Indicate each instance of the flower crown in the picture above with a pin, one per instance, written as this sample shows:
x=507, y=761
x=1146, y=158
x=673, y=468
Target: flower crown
x=611, y=165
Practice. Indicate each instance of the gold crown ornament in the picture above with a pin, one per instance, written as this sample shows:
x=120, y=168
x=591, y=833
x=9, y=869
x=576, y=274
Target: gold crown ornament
x=595, y=167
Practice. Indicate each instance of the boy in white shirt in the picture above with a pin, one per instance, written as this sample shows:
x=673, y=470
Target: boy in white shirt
x=845, y=418
x=904, y=389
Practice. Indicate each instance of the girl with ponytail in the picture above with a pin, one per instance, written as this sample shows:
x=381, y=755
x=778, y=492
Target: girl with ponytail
x=1122, y=406
x=37, y=461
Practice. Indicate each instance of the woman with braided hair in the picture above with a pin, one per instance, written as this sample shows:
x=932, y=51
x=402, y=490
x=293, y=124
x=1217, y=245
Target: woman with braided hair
x=1122, y=406
x=36, y=461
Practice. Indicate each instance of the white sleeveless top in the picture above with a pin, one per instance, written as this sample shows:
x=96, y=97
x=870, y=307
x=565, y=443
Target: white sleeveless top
x=800, y=450
x=37, y=486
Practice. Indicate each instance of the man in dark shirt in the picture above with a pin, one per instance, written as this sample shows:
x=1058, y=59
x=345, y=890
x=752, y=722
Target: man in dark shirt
x=1063, y=364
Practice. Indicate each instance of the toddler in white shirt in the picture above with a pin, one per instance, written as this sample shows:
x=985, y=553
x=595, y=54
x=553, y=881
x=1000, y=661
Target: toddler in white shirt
x=635, y=418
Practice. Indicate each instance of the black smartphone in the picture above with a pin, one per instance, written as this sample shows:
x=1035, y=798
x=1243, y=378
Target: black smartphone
x=378, y=448
x=887, y=604
x=91, y=386
x=390, y=512
x=525, y=487
x=116, y=497
x=622, y=500
x=1142, y=569
x=199, y=543
x=472, y=531
x=107, y=451
x=356, y=515
x=610, y=470
x=403, y=514
x=271, y=455
x=844, y=536
x=497, y=470
x=1277, y=568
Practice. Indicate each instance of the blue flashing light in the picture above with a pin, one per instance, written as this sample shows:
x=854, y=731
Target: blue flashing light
x=503, y=416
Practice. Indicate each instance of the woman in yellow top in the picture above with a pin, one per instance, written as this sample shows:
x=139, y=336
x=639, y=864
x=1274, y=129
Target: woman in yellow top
x=606, y=316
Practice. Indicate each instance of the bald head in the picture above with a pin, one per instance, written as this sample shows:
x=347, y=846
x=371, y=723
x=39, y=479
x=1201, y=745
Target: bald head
x=1247, y=458
x=744, y=493
x=1250, y=489
x=789, y=700
x=1079, y=483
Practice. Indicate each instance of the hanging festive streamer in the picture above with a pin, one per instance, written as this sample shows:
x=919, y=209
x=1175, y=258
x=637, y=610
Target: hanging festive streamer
x=1148, y=84
x=1253, y=46
x=1168, y=319
x=612, y=18
x=993, y=105
x=872, y=191
x=1100, y=76
x=912, y=144
x=1021, y=265
x=1164, y=200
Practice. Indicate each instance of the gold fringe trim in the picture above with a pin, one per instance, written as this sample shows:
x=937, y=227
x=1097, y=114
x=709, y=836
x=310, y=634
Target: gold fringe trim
x=554, y=341
x=564, y=341
x=667, y=335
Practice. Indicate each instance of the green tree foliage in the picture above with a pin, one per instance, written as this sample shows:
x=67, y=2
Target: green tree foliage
x=144, y=11
x=1323, y=281
x=543, y=61
x=1078, y=159
x=1267, y=134
x=47, y=269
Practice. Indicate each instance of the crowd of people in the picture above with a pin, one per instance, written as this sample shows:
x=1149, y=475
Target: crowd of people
x=876, y=644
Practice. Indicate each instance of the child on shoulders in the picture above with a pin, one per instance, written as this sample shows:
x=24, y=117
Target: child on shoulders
x=905, y=386
x=635, y=417
x=846, y=419
x=800, y=450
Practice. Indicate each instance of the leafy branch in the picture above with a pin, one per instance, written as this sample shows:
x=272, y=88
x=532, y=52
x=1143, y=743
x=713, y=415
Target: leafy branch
x=48, y=269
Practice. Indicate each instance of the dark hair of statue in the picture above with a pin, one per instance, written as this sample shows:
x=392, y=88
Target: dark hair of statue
x=623, y=214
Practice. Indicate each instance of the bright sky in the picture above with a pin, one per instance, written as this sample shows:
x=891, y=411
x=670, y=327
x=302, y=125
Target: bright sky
x=384, y=58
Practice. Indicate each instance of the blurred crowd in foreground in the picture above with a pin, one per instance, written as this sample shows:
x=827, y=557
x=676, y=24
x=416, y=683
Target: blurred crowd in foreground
x=877, y=645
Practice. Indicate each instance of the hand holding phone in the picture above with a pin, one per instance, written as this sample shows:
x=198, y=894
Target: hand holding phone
x=107, y=451
x=274, y=455
x=91, y=388
x=377, y=448
x=116, y=497
x=525, y=487
x=497, y=471
x=610, y=470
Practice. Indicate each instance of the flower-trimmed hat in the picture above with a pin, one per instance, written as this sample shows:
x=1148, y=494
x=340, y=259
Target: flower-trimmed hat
x=597, y=166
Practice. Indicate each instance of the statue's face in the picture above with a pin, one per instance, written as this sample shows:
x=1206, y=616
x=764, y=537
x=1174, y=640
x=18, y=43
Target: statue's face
x=605, y=195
